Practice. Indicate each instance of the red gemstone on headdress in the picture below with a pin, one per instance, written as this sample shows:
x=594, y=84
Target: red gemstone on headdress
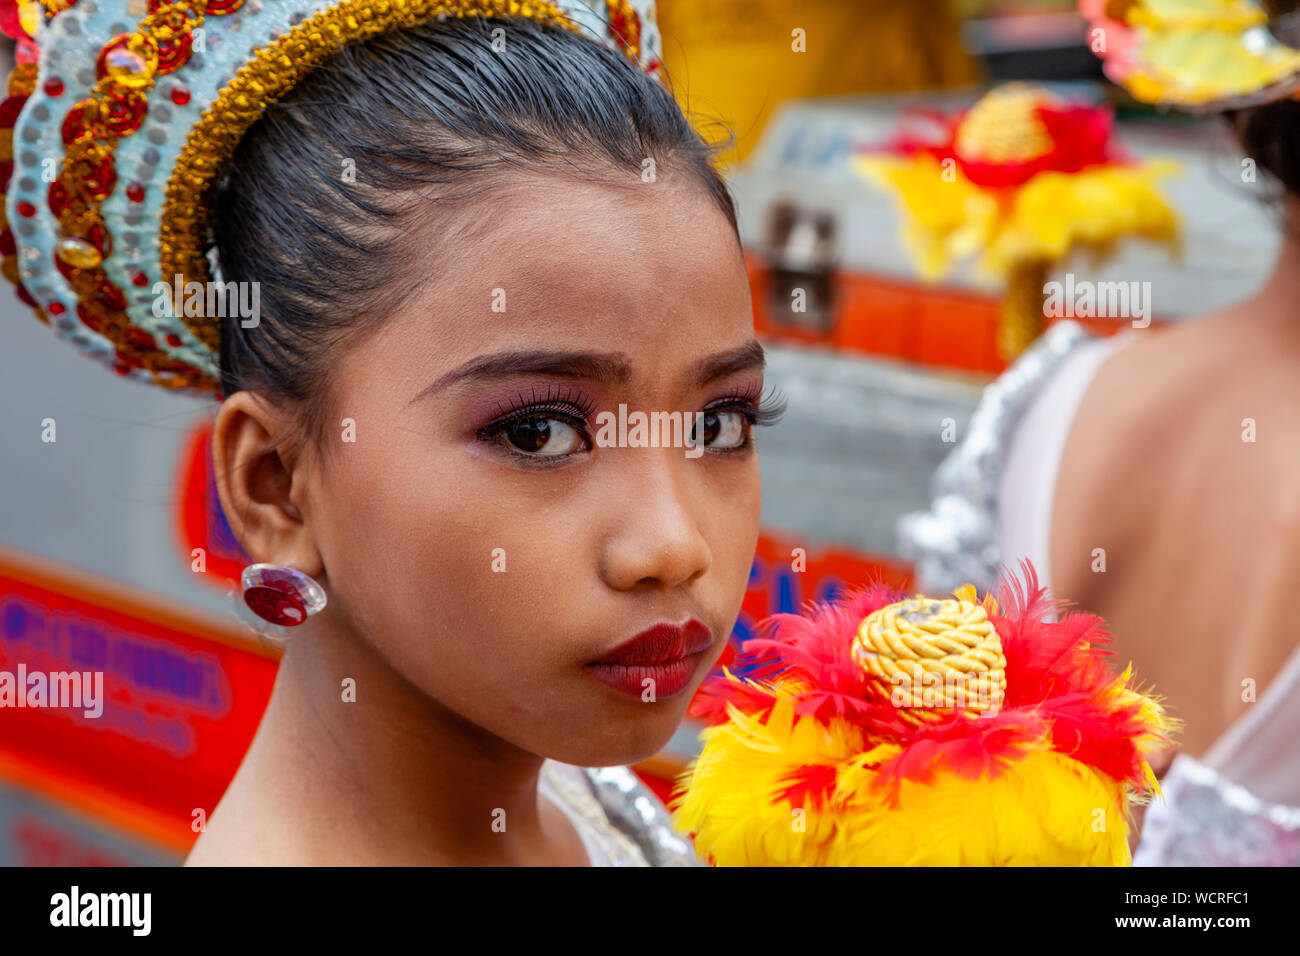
x=98, y=179
x=139, y=279
x=135, y=192
x=221, y=7
x=173, y=340
x=124, y=110
x=180, y=94
x=278, y=607
x=624, y=28
x=57, y=197
x=89, y=319
x=26, y=209
x=109, y=295
x=57, y=308
x=98, y=237
x=54, y=86
x=173, y=53
x=139, y=339
x=76, y=122
x=121, y=369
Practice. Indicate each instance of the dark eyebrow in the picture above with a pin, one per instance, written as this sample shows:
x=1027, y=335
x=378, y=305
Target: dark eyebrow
x=608, y=367
x=713, y=367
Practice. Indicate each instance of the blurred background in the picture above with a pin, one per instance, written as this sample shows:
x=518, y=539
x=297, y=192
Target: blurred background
x=114, y=555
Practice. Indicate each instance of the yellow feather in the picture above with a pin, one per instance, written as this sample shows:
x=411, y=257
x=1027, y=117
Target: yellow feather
x=1045, y=809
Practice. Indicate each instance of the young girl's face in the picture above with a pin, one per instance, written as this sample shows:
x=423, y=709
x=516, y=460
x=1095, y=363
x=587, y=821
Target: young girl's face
x=477, y=531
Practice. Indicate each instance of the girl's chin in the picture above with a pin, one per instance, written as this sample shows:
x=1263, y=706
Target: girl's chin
x=640, y=740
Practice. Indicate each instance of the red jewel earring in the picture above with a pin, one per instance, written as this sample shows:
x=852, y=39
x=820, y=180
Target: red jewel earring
x=280, y=596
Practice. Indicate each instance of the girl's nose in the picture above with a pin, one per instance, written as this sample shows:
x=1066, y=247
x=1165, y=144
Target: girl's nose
x=656, y=539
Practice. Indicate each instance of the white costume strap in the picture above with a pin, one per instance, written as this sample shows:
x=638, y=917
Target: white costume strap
x=956, y=541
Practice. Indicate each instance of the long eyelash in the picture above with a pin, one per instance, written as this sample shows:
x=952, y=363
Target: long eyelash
x=561, y=401
x=566, y=402
x=758, y=410
x=564, y=396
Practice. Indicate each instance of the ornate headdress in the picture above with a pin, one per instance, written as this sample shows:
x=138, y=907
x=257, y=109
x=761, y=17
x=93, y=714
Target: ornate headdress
x=1199, y=55
x=120, y=116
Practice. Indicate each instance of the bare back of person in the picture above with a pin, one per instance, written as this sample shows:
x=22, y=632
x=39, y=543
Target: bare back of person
x=1181, y=465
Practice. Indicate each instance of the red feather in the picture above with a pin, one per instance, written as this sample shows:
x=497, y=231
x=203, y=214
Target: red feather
x=810, y=783
x=1058, y=690
x=1046, y=658
x=1080, y=137
x=710, y=704
x=813, y=649
x=968, y=746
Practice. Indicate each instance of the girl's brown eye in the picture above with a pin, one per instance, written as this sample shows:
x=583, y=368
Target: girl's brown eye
x=543, y=436
x=724, y=429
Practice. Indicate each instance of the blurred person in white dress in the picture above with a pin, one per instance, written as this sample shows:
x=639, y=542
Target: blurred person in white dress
x=1168, y=459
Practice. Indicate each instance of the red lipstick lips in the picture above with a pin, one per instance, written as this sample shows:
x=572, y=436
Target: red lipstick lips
x=661, y=660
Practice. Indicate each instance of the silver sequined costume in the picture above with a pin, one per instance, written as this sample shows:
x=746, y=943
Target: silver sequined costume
x=620, y=815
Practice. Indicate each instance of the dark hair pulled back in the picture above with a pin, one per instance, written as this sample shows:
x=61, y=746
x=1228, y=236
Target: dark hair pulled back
x=432, y=116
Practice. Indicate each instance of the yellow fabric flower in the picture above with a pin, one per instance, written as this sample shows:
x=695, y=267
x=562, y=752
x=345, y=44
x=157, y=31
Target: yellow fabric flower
x=948, y=218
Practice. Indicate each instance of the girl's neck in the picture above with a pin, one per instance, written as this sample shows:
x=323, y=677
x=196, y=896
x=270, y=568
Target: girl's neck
x=389, y=776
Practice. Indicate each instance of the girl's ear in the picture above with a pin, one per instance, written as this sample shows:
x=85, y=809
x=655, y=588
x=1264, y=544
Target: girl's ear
x=254, y=460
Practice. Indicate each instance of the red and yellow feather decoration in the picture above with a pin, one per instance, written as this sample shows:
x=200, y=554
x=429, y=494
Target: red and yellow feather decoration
x=881, y=730
x=1019, y=182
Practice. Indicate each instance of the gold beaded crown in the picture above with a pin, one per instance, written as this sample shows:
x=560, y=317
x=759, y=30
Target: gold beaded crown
x=121, y=114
